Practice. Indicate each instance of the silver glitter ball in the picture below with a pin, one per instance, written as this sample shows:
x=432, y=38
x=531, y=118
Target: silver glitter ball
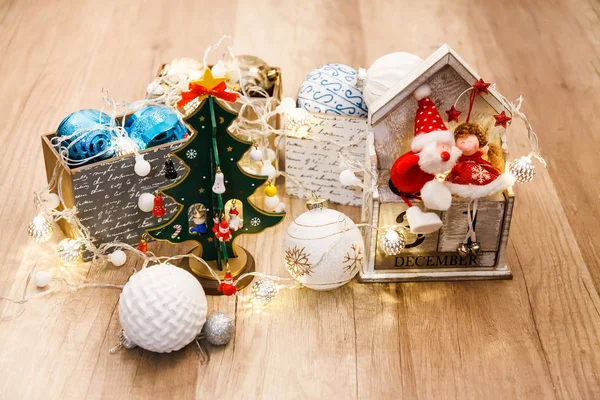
x=218, y=329
x=265, y=290
x=522, y=169
x=392, y=242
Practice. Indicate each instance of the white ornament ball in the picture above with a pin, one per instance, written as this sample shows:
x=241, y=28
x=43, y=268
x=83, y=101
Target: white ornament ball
x=386, y=72
x=323, y=249
x=272, y=202
x=162, y=308
x=141, y=167
x=268, y=169
x=50, y=200
x=117, y=258
x=256, y=154
x=42, y=279
x=271, y=155
x=347, y=178
x=146, y=202
x=331, y=89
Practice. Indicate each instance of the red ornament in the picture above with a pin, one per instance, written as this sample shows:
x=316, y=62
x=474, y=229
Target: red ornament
x=143, y=245
x=481, y=87
x=453, y=114
x=226, y=286
x=158, y=210
x=197, y=90
x=223, y=234
x=502, y=119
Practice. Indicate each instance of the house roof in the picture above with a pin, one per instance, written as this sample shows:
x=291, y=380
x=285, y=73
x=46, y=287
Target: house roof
x=439, y=59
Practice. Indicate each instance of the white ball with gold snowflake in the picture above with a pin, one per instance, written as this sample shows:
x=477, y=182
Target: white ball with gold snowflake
x=323, y=249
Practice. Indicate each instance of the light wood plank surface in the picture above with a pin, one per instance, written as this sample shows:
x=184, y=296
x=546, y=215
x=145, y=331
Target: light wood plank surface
x=537, y=336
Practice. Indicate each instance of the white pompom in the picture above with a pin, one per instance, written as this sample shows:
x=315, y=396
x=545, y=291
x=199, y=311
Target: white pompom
x=117, y=258
x=146, y=202
x=256, y=154
x=162, y=308
x=50, y=200
x=268, y=169
x=386, y=72
x=422, y=92
x=42, y=278
x=347, y=178
x=142, y=167
x=271, y=202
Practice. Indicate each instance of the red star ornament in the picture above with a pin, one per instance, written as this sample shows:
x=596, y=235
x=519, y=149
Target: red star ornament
x=453, y=114
x=481, y=87
x=502, y=119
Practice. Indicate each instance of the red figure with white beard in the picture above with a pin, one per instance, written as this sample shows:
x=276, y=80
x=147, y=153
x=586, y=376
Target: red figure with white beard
x=413, y=174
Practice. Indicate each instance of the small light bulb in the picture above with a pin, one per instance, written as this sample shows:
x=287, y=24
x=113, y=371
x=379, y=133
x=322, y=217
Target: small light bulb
x=141, y=167
x=298, y=122
x=40, y=229
x=347, y=178
x=392, y=242
x=264, y=291
x=522, y=169
x=69, y=251
x=219, y=70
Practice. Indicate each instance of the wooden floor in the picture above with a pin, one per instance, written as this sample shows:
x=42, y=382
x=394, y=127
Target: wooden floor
x=537, y=336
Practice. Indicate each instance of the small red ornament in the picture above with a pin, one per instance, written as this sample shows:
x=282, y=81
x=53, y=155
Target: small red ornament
x=223, y=234
x=226, y=286
x=158, y=210
x=481, y=87
x=453, y=114
x=502, y=119
x=143, y=245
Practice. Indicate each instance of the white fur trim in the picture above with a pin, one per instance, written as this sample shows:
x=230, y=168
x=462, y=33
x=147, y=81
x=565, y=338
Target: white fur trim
x=422, y=92
x=422, y=222
x=430, y=161
x=478, y=191
x=423, y=139
x=436, y=195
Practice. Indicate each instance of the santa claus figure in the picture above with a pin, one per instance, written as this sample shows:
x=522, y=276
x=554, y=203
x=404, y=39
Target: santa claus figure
x=223, y=234
x=413, y=174
x=235, y=222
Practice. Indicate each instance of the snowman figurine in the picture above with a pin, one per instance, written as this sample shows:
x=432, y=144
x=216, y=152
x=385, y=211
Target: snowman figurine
x=199, y=220
x=235, y=222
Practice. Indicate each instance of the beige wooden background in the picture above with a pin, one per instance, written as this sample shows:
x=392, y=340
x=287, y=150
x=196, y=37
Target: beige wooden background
x=537, y=336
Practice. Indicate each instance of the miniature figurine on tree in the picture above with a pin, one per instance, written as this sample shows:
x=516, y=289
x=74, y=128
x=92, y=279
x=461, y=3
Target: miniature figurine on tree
x=214, y=185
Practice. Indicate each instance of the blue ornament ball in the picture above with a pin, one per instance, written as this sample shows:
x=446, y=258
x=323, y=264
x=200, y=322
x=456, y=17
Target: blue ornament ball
x=86, y=135
x=154, y=125
x=331, y=89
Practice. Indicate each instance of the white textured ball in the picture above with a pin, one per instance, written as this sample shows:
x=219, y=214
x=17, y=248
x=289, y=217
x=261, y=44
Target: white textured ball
x=386, y=72
x=117, y=258
x=162, y=308
x=146, y=202
x=42, y=278
x=331, y=89
x=141, y=167
x=323, y=249
x=256, y=154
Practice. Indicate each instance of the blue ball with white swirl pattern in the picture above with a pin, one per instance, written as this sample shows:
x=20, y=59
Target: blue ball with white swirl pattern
x=331, y=89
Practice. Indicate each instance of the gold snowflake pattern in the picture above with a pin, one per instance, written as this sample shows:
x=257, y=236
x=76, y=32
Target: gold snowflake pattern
x=296, y=261
x=354, y=261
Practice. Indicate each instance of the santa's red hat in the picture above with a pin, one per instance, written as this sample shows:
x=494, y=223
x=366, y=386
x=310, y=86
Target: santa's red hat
x=233, y=211
x=224, y=224
x=429, y=126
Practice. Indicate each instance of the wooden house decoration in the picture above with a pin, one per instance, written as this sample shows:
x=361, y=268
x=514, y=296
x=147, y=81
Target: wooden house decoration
x=434, y=256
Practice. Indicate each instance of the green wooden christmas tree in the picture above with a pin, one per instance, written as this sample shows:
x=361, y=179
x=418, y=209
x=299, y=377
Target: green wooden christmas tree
x=215, y=190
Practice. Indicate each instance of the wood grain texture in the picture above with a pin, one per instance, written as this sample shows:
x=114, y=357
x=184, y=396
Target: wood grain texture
x=537, y=336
